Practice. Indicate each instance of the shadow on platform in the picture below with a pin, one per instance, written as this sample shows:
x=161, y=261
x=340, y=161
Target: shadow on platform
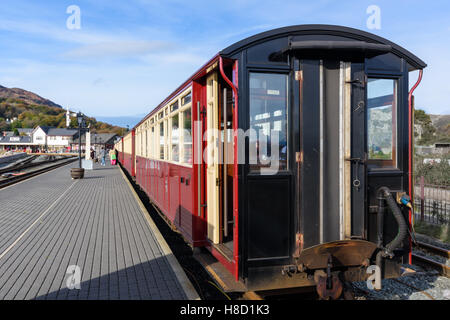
x=151, y=280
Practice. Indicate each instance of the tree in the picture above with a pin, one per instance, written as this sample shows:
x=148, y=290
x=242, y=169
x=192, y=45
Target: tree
x=428, y=130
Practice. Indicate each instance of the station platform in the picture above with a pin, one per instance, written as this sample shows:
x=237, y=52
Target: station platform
x=88, y=239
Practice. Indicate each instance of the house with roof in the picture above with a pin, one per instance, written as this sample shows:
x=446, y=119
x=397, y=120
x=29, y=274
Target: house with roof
x=54, y=139
x=98, y=140
x=25, y=131
x=17, y=143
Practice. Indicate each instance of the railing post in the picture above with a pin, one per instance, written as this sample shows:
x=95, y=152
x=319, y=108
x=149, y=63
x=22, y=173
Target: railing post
x=422, y=198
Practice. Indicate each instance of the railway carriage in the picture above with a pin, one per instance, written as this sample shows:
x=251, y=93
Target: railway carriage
x=287, y=156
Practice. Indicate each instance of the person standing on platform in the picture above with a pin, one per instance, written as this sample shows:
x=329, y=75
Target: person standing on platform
x=112, y=156
x=103, y=156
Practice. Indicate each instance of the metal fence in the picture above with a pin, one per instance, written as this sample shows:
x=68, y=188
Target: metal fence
x=431, y=202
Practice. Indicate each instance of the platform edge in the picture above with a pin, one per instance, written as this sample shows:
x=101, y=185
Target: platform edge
x=185, y=283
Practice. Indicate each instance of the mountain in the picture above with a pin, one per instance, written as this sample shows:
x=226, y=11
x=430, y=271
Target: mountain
x=25, y=96
x=442, y=124
x=440, y=120
x=24, y=109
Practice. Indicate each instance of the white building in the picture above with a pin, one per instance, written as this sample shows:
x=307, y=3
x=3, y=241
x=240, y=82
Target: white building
x=54, y=139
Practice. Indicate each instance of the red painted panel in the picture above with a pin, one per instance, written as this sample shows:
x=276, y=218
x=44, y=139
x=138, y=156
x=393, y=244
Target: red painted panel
x=186, y=211
x=146, y=174
x=138, y=171
x=127, y=162
x=133, y=152
x=155, y=179
x=166, y=187
x=174, y=199
x=151, y=188
x=236, y=171
x=161, y=185
x=199, y=225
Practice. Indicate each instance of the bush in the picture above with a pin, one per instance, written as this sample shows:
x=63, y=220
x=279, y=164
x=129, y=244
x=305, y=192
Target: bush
x=440, y=232
x=437, y=173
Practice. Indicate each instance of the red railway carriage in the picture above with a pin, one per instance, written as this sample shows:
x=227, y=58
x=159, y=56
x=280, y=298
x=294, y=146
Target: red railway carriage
x=284, y=156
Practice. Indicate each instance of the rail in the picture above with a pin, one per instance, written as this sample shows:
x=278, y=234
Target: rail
x=429, y=260
x=26, y=175
x=440, y=267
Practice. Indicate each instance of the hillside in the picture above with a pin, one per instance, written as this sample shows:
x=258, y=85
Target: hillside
x=442, y=125
x=434, y=128
x=25, y=96
x=32, y=110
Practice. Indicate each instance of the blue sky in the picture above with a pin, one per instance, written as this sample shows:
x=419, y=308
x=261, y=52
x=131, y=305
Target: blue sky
x=129, y=55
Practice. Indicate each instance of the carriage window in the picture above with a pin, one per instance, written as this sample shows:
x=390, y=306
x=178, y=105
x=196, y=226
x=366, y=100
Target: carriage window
x=141, y=151
x=174, y=153
x=174, y=106
x=382, y=122
x=268, y=119
x=161, y=140
x=186, y=99
x=152, y=142
x=187, y=136
x=146, y=143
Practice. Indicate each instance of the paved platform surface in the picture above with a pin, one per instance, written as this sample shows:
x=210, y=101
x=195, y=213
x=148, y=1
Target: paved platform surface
x=55, y=230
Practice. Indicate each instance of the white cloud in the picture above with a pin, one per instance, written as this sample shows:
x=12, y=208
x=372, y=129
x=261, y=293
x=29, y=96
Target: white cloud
x=119, y=48
x=50, y=32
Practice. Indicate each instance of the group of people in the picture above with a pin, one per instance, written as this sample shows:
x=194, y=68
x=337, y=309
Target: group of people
x=102, y=156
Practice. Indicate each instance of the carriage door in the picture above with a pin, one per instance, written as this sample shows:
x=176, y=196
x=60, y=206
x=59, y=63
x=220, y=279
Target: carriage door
x=357, y=159
x=212, y=159
x=331, y=159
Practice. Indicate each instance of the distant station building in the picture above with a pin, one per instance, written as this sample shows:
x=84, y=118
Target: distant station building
x=17, y=143
x=98, y=140
x=51, y=139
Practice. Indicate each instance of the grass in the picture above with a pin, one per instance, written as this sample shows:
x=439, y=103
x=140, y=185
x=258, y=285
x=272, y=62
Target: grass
x=440, y=232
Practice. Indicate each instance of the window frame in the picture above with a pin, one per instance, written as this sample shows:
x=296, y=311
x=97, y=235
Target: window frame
x=167, y=115
x=385, y=164
x=287, y=74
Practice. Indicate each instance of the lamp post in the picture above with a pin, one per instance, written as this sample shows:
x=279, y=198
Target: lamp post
x=80, y=122
x=78, y=173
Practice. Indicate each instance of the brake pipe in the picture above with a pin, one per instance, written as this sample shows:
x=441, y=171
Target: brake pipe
x=410, y=117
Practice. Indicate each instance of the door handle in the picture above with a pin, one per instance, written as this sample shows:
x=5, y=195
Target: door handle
x=356, y=160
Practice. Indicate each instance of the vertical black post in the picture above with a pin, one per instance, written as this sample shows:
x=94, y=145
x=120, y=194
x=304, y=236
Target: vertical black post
x=79, y=145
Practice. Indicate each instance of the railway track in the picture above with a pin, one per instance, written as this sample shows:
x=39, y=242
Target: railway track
x=17, y=176
x=428, y=261
x=20, y=164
